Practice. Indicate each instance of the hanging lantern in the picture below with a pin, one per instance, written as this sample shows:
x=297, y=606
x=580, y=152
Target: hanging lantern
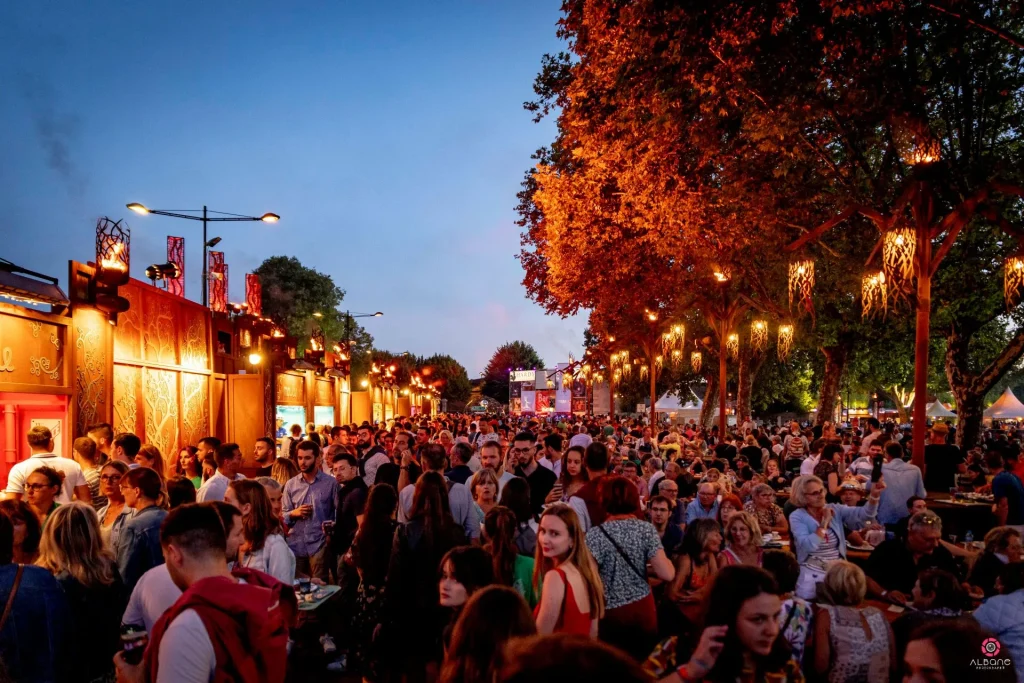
x=673, y=339
x=759, y=336
x=617, y=375
x=785, y=341
x=677, y=357
x=643, y=371
x=659, y=362
x=732, y=345
x=801, y=282
x=696, y=359
x=874, y=294
x=113, y=250
x=915, y=142
x=898, y=248
x=1013, y=280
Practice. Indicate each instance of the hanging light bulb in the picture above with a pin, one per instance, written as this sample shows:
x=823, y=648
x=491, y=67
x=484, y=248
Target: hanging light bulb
x=785, y=341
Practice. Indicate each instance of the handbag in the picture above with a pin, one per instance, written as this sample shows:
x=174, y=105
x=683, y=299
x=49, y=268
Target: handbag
x=10, y=598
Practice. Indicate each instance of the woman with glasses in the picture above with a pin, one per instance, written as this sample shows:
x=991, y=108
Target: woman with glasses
x=115, y=513
x=817, y=529
x=41, y=490
x=138, y=548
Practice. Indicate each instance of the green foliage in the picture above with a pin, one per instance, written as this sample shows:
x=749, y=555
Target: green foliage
x=512, y=355
x=456, y=385
x=292, y=293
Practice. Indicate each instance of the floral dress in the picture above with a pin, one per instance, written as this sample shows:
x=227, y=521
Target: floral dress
x=766, y=519
x=666, y=658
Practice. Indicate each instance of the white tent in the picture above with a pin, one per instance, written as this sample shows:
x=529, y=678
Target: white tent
x=1007, y=407
x=677, y=411
x=936, y=409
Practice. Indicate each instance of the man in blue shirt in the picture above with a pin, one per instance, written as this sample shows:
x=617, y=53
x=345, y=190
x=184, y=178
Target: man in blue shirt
x=902, y=480
x=705, y=505
x=309, y=500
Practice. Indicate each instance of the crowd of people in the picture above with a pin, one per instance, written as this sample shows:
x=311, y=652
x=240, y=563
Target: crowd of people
x=453, y=548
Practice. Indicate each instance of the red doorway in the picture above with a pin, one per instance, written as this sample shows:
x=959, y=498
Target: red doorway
x=19, y=412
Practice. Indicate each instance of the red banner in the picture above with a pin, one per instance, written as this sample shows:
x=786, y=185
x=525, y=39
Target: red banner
x=176, y=255
x=218, y=274
x=253, y=294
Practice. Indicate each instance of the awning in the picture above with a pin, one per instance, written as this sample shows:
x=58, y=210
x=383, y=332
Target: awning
x=28, y=290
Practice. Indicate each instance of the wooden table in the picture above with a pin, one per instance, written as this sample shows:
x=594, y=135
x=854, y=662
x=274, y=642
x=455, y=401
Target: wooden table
x=959, y=517
x=892, y=612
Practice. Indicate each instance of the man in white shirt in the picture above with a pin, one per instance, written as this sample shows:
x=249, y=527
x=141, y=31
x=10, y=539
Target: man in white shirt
x=490, y=458
x=229, y=461
x=156, y=591
x=194, y=545
x=40, y=442
x=812, y=460
x=551, y=455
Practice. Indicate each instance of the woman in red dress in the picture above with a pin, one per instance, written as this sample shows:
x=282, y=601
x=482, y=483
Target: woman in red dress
x=572, y=596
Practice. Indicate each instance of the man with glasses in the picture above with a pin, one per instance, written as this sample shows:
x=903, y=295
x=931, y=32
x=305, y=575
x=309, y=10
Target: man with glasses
x=671, y=535
x=704, y=506
x=540, y=479
x=669, y=490
x=40, y=443
x=894, y=565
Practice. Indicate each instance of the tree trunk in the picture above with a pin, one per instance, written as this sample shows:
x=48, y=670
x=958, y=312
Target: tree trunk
x=653, y=372
x=969, y=388
x=835, y=364
x=749, y=365
x=707, y=410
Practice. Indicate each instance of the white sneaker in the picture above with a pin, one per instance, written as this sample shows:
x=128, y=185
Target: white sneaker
x=328, y=644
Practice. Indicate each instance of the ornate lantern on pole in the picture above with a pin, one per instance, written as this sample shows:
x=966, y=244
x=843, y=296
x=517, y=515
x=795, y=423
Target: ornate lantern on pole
x=874, y=294
x=759, y=336
x=113, y=250
x=801, y=282
x=898, y=248
x=1013, y=280
x=785, y=341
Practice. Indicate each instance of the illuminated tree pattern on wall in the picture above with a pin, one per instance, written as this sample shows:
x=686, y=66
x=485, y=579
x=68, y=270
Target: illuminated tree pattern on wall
x=161, y=403
x=90, y=368
x=195, y=401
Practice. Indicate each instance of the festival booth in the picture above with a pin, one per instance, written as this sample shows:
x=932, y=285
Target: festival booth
x=1006, y=407
x=36, y=380
x=546, y=392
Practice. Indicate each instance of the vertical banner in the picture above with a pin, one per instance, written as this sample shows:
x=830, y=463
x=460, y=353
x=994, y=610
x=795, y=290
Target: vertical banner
x=563, y=401
x=218, y=274
x=528, y=402
x=176, y=255
x=254, y=294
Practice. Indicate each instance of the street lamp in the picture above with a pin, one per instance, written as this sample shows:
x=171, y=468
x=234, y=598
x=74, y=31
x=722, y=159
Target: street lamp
x=205, y=218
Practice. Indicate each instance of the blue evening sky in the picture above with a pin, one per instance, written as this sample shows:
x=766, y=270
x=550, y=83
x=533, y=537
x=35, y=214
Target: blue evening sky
x=390, y=136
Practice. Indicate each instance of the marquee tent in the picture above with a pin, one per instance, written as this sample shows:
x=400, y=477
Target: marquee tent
x=936, y=409
x=1007, y=407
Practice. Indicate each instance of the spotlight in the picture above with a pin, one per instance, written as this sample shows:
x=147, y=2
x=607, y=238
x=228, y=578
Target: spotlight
x=163, y=271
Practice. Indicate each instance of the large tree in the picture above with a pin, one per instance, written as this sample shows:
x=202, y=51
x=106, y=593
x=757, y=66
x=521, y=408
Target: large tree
x=517, y=355
x=450, y=374
x=299, y=298
x=690, y=130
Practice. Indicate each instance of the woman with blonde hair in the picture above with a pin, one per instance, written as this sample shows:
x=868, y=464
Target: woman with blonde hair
x=283, y=470
x=72, y=550
x=852, y=643
x=572, y=595
x=743, y=541
x=149, y=456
